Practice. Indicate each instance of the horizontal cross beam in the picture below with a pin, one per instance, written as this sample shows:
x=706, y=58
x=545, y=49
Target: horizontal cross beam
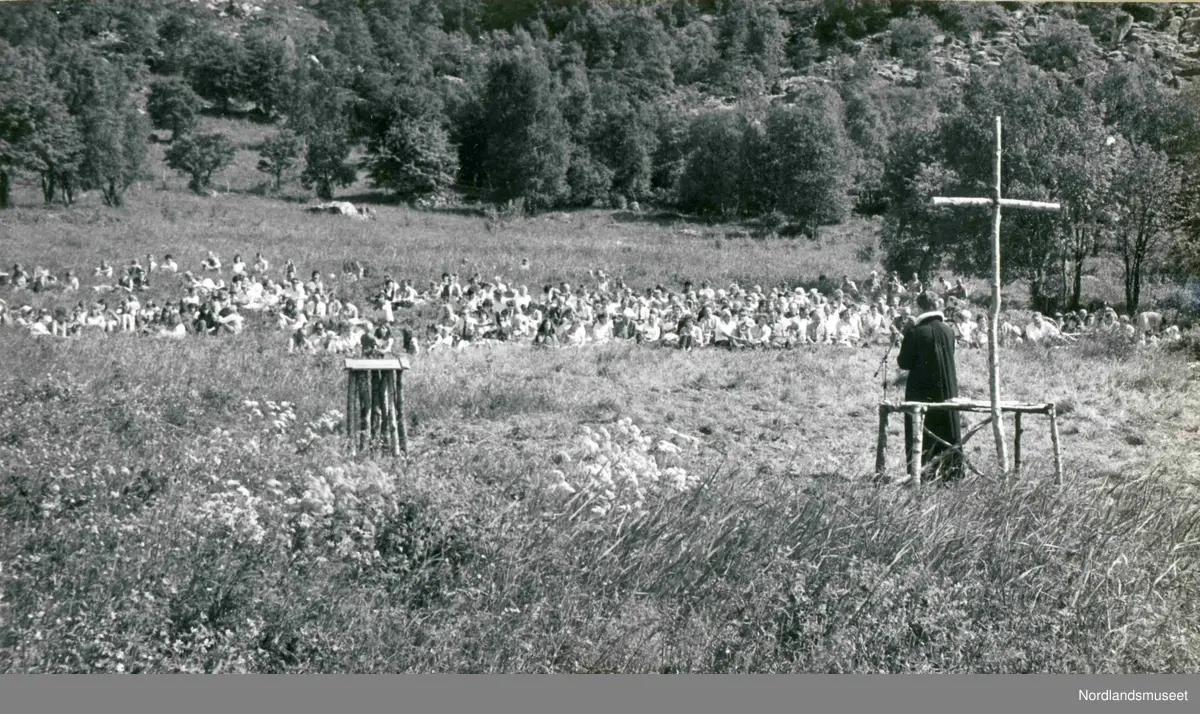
x=1004, y=203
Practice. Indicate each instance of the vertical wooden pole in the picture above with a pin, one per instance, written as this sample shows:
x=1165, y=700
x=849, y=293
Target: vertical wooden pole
x=363, y=409
x=1016, y=462
x=385, y=396
x=393, y=389
x=351, y=417
x=377, y=410
x=915, y=461
x=400, y=417
x=381, y=393
x=369, y=430
x=1058, y=474
x=881, y=445
x=993, y=334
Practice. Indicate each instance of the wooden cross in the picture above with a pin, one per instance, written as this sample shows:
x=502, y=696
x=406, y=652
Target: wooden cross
x=996, y=202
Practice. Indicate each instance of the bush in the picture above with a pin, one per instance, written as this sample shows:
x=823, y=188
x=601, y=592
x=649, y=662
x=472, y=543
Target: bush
x=200, y=156
x=173, y=105
x=910, y=38
x=413, y=159
x=1062, y=46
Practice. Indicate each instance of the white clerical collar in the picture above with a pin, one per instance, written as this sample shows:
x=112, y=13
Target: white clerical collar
x=926, y=315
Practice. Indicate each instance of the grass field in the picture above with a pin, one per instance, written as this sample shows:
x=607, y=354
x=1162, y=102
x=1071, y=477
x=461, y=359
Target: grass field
x=154, y=520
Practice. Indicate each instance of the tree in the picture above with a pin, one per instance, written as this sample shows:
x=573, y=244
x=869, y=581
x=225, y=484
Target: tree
x=751, y=43
x=326, y=162
x=113, y=130
x=621, y=138
x=813, y=167
x=414, y=158
x=37, y=132
x=1138, y=104
x=173, y=105
x=1144, y=192
x=216, y=68
x=199, y=157
x=270, y=61
x=114, y=139
x=1082, y=175
x=710, y=184
x=1053, y=150
x=527, y=141
x=1062, y=45
x=868, y=129
x=278, y=155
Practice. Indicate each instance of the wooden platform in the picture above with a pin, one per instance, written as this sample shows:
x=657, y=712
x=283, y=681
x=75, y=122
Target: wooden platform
x=969, y=405
x=386, y=364
x=375, y=419
x=919, y=409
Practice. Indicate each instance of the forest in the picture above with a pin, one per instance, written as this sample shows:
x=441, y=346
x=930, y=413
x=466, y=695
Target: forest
x=788, y=116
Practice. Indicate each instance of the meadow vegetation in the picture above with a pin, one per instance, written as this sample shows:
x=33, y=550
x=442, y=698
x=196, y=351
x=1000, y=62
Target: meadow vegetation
x=187, y=506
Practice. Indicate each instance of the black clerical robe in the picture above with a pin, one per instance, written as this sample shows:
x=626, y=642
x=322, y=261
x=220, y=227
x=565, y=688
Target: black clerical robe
x=927, y=352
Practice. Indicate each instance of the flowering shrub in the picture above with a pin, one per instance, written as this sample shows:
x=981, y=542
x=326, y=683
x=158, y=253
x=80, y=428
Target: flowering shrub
x=344, y=506
x=233, y=512
x=622, y=473
x=282, y=422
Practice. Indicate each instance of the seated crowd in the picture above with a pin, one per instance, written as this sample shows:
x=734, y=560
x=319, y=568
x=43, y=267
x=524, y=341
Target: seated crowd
x=479, y=311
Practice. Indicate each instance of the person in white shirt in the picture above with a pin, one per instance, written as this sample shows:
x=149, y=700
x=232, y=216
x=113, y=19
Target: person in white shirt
x=169, y=264
x=1042, y=331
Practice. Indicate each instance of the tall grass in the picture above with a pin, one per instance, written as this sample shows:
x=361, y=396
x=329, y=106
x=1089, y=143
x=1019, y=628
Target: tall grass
x=153, y=522
x=186, y=506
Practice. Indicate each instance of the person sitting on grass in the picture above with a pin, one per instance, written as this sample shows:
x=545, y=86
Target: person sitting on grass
x=61, y=324
x=239, y=266
x=968, y=331
x=408, y=341
x=42, y=279
x=169, y=264
x=1109, y=323
x=229, y=319
x=299, y=342
x=875, y=326
x=602, y=329
x=260, y=264
x=172, y=323
x=40, y=324
x=369, y=345
x=137, y=275
x=315, y=284
x=104, y=270
x=1042, y=331
x=290, y=317
x=386, y=342
x=125, y=282
x=848, y=333
x=211, y=264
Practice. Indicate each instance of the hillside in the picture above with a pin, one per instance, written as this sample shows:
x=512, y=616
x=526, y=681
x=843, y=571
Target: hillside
x=791, y=118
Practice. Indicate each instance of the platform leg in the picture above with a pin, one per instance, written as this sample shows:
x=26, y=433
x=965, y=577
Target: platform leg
x=400, y=418
x=1017, y=446
x=914, y=463
x=1058, y=473
x=881, y=445
x=351, y=417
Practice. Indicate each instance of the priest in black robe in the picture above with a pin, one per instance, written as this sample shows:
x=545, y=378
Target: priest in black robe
x=927, y=352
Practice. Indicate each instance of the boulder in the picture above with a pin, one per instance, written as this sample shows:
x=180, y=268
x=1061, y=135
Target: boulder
x=342, y=208
x=1121, y=28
